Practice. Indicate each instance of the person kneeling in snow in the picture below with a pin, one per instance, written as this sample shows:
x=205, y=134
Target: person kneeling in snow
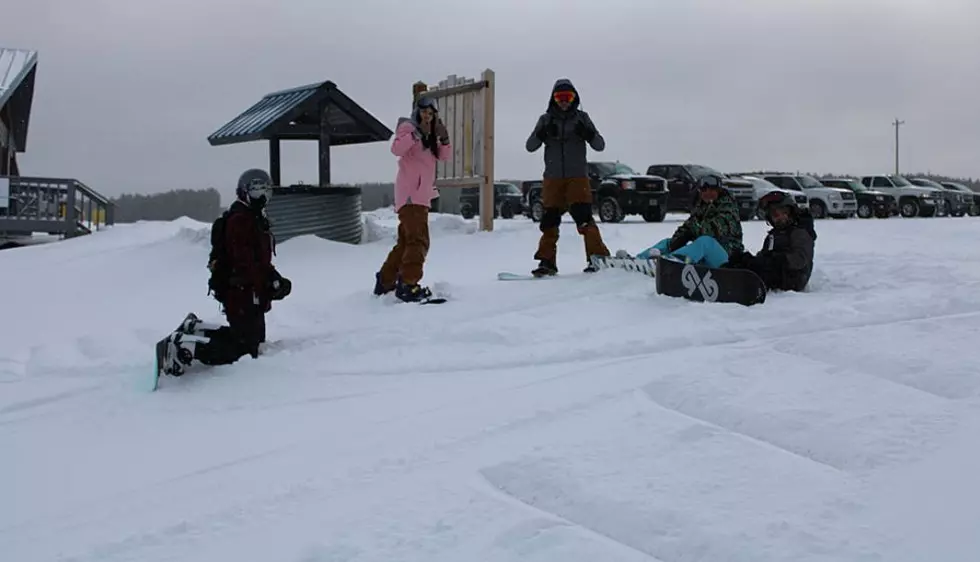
x=709, y=236
x=786, y=259
x=243, y=280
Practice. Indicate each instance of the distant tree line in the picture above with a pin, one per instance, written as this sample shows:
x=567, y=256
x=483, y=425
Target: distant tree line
x=199, y=204
x=205, y=204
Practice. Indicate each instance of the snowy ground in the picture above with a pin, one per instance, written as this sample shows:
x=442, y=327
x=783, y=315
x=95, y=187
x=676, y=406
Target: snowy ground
x=576, y=419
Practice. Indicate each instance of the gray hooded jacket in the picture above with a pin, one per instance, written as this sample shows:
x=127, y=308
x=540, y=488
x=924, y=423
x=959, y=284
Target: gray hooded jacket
x=564, y=148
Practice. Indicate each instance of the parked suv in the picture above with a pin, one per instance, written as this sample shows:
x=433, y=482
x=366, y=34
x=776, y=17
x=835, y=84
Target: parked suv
x=682, y=182
x=913, y=201
x=955, y=204
x=974, y=208
x=870, y=202
x=762, y=187
x=507, y=201
x=824, y=201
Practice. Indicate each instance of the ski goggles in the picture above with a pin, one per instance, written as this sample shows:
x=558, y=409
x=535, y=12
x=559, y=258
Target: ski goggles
x=564, y=97
x=773, y=198
x=258, y=188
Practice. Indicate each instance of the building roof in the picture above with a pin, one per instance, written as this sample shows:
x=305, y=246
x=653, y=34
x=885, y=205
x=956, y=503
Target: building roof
x=293, y=115
x=17, y=70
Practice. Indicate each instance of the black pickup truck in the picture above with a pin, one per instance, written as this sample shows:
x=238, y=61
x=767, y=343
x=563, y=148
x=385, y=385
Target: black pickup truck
x=617, y=191
x=682, y=182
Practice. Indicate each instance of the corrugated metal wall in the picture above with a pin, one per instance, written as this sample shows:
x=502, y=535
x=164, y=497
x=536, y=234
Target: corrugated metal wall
x=333, y=213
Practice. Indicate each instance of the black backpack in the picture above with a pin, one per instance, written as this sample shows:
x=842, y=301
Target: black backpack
x=218, y=261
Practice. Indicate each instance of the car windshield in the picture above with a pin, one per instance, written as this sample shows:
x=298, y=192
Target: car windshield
x=853, y=185
x=899, y=181
x=509, y=188
x=611, y=168
x=808, y=181
x=928, y=183
x=699, y=171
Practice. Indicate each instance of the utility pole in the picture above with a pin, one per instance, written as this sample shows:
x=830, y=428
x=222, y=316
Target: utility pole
x=897, y=124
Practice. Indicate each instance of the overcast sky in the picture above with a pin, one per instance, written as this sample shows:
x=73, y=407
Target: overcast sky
x=129, y=90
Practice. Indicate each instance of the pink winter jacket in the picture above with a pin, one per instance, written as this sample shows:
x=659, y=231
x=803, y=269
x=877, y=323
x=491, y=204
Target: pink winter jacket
x=415, y=182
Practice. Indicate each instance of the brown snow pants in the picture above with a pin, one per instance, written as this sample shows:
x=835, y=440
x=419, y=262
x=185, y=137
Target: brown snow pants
x=408, y=256
x=573, y=195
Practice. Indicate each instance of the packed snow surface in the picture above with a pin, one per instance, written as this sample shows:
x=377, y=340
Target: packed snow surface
x=576, y=419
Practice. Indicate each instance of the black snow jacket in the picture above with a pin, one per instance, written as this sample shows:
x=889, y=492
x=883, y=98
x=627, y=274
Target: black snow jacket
x=564, y=135
x=785, y=262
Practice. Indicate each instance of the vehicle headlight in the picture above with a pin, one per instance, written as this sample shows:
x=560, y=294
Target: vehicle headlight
x=835, y=195
x=879, y=197
x=627, y=184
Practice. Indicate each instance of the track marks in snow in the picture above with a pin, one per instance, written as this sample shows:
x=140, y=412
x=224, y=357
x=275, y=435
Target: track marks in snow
x=620, y=479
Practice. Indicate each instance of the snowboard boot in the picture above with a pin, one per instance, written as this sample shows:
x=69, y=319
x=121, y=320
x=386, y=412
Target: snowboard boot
x=179, y=352
x=413, y=292
x=192, y=325
x=545, y=268
x=380, y=288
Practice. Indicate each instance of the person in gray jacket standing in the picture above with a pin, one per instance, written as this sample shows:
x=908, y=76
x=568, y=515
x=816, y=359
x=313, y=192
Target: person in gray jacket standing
x=564, y=130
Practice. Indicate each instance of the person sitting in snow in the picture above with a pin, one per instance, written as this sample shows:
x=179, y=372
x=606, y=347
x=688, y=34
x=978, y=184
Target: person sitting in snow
x=786, y=259
x=243, y=280
x=709, y=236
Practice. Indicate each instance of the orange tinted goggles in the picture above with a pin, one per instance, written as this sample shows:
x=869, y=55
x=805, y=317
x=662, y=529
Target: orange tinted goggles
x=564, y=97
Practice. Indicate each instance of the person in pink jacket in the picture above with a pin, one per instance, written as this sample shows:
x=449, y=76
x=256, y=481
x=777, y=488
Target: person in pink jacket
x=420, y=142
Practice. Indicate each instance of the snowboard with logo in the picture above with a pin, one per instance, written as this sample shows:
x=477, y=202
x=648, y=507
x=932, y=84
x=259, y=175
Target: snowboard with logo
x=705, y=284
x=646, y=267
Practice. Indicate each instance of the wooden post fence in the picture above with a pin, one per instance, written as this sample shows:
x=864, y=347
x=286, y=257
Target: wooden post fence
x=466, y=106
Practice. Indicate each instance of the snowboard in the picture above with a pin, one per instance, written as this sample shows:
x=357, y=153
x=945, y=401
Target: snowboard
x=705, y=284
x=153, y=379
x=646, y=267
x=508, y=276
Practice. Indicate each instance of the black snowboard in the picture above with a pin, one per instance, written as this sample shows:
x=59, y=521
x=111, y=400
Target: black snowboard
x=705, y=284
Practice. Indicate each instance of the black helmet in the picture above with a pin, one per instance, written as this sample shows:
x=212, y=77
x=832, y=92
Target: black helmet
x=711, y=181
x=776, y=199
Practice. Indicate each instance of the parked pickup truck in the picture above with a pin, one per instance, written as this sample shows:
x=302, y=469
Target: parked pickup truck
x=913, y=201
x=973, y=196
x=871, y=202
x=682, y=181
x=955, y=204
x=617, y=191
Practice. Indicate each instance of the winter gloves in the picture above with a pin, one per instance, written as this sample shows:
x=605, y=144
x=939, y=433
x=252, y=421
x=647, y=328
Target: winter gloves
x=441, y=132
x=586, y=133
x=581, y=130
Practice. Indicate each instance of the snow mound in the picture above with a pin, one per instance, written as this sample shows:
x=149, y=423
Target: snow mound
x=382, y=224
x=194, y=235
